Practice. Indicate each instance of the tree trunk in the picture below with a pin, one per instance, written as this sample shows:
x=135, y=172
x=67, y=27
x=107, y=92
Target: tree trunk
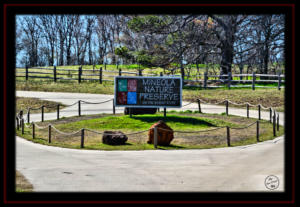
x=227, y=58
x=61, y=56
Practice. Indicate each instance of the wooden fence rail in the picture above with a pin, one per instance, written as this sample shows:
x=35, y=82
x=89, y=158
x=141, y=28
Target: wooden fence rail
x=204, y=80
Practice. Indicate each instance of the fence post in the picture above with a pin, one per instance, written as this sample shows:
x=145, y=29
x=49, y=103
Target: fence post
x=257, y=131
x=155, y=136
x=26, y=70
x=100, y=75
x=22, y=125
x=17, y=119
x=247, y=110
x=114, y=108
x=82, y=138
x=28, y=115
x=253, y=81
x=199, y=105
x=274, y=126
x=228, y=136
x=120, y=72
x=229, y=79
x=140, y=72
x=205, y=80
x=165, y=112
x=227, y=107
x=33, y=130
x=42, y=113
x=49, y=134
x=57, y=111
x=161, y=73
x=79, y=74
x=270, y=115
x=279, y=81
x=79, y=108
x=259, y=111
x=277, y=122
x=54, y=73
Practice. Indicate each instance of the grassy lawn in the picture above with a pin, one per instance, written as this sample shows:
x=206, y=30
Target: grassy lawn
x=266, y=97
x=180, y=122
x=22, y=103
x=22, y=184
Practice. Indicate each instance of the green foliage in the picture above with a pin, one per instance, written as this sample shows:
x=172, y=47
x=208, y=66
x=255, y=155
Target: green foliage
x=123, y=52
x=143, y=58
x=139, y=24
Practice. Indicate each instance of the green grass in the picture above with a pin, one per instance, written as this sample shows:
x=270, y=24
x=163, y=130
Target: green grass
x=267, y=97
x=177, y=121
x=143, y=122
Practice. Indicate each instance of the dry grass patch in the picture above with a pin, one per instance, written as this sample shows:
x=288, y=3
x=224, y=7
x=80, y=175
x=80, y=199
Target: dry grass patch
x=22, y=184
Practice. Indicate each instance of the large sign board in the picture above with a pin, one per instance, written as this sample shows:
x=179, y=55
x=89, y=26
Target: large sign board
x=148, y=92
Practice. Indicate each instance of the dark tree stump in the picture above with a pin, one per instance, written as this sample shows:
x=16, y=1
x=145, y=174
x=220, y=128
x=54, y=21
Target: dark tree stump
x=114, y=138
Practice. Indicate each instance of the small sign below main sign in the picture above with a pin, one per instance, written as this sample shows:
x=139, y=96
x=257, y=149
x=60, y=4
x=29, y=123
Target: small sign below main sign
x=148, y=92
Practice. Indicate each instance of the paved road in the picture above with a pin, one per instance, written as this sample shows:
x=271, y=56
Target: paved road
x=225, y=169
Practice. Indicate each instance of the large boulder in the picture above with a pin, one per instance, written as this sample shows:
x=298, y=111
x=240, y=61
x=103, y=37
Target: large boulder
x=136, y=111
x=114, y=138
x=164, y=134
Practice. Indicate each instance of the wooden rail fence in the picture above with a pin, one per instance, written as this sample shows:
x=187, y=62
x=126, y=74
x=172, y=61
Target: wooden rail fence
x=204, y=81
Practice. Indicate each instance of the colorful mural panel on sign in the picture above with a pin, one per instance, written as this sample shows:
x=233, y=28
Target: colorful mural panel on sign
x=148, y=91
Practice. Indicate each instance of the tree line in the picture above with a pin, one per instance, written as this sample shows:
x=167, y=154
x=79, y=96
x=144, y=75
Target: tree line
x=166, y=41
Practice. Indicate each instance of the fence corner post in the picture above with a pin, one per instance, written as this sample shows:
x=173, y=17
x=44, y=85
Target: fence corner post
x=82, y=138
x=199, y=105
x=43, y=113
x=33, y=130
x=57, y=111
x=247, y=110
x=259, y=107
x=22, y=125
x=279, y=80
x=79, y=108
x=228, y=136
x=17, y=119
x=28, y=115
x=257, y=130
x=278, y=122
x=274, y=126
x=155, y=137
x=227, y=103
x=49, y=133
